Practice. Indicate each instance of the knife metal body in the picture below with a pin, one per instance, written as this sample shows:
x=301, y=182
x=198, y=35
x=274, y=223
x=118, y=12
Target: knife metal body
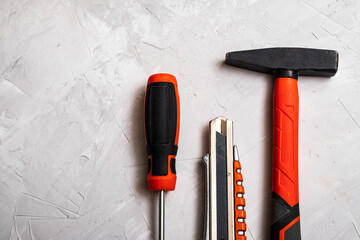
x=225, y=204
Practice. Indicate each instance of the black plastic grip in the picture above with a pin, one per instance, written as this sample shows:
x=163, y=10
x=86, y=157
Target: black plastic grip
x=285, y=222
x=160, y=125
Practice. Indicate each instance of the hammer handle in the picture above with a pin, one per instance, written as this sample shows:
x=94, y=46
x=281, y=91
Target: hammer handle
x=285, y=189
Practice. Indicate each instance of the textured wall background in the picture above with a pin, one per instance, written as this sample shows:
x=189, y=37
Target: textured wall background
x=72, y=82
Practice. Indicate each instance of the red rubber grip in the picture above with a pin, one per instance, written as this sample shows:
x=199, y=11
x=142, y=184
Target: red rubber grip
x=162, y=122
x=285, y=187
x=285, y=145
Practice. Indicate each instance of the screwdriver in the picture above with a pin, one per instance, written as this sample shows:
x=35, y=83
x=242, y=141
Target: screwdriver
x=162, y=122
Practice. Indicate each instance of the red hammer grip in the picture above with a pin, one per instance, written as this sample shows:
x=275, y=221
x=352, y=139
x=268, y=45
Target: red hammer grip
x=285, y=202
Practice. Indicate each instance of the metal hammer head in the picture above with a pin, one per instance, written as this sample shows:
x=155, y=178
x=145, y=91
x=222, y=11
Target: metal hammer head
x=286, y=62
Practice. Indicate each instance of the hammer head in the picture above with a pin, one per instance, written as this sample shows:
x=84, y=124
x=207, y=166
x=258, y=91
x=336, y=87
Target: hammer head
x=300, y=61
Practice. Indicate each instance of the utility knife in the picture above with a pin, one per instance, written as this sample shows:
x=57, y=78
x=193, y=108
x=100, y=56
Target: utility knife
x=225, y=203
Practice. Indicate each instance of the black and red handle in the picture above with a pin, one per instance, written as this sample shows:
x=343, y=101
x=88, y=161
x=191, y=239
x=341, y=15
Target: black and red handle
x=162, y=121
x=285, y=189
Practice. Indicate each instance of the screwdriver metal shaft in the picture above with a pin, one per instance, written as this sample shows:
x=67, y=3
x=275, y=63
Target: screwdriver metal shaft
x=161, y=215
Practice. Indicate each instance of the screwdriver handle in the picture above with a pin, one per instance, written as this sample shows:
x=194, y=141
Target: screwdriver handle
x=162, y=122
x=285, y=195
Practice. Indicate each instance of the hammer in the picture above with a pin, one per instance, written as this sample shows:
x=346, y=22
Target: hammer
x=286, y=64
